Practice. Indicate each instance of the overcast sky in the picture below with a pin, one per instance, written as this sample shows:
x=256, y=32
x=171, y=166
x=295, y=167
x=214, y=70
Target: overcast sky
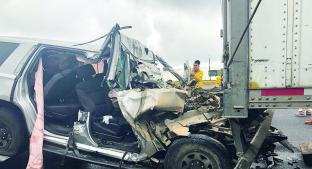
x=178, y=30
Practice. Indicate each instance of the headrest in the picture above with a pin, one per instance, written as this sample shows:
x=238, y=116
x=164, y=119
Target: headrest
x=85, y=72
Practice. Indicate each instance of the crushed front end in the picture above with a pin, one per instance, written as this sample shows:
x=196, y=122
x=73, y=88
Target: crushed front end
x=160, y=113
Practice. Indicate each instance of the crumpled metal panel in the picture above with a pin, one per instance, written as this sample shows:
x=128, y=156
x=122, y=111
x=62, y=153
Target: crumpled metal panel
x=115, y=58
x=149, y=72
x=203, y=99
x=180, y=126
x=126, y=51
x=137, y=49
x=134, y=103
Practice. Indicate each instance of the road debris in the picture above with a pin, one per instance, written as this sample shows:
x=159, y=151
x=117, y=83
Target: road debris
x=306, y=151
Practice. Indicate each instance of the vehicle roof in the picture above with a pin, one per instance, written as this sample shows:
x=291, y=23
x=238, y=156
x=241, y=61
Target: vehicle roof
x=36, y=41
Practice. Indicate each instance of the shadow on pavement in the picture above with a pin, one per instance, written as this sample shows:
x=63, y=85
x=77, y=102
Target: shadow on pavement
x=51, y=161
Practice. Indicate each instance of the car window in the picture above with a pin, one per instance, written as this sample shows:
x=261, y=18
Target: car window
x=6, y=48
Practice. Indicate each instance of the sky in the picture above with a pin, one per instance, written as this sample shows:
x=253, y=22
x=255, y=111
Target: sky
x=177, y=30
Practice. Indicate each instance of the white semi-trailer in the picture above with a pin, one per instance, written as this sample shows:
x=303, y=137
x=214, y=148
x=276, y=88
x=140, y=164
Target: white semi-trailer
x=267, y=60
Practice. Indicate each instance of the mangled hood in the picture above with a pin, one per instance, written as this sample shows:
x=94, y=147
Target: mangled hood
x=141, y=107
x=134, y=103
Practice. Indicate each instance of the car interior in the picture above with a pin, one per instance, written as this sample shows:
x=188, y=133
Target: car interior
x=69, y=86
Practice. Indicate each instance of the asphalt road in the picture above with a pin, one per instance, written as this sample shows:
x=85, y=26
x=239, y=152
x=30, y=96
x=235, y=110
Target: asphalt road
x=284, y=120
x=297, y=133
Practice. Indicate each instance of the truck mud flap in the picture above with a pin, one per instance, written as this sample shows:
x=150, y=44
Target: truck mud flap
x=245, y=161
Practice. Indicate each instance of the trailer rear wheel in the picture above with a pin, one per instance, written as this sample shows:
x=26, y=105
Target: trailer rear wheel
x=197, y=152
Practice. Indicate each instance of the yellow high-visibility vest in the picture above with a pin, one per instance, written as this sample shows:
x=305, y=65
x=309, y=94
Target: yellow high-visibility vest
x=199, y=77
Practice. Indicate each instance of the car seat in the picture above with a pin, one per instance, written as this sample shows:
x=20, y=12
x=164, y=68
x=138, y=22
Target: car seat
x=85, y=72
x=60, y=96
x=93, y=97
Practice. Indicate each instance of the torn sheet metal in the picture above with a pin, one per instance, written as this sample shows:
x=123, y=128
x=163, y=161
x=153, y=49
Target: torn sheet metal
x=115, y=59
x=145, y=70
x=148, y=72
x=134, y=103
x=131, y=61
x=180, y=126
x=137, y=49
x=202, y=99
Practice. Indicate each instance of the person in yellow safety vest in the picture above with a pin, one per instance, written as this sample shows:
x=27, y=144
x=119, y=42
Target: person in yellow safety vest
x=197, y=74
x=218, y=80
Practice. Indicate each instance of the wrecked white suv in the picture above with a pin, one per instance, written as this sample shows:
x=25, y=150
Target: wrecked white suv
x=123, y=115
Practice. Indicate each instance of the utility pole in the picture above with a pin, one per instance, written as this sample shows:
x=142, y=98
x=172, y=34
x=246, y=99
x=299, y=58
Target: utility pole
x=209, y=70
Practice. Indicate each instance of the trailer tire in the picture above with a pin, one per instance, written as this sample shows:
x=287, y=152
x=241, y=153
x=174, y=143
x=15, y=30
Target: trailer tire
x=197, y=151
x=12, y=134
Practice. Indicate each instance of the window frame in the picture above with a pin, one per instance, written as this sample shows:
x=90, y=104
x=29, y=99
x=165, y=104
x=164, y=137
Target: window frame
x=6, y=49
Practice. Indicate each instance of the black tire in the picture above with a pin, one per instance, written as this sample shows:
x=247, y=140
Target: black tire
x=12, y=132
x=197, y=151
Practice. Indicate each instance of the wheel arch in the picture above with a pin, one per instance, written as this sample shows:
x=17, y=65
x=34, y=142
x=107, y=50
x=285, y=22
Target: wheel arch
x=221, y=139
x=9, y=105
